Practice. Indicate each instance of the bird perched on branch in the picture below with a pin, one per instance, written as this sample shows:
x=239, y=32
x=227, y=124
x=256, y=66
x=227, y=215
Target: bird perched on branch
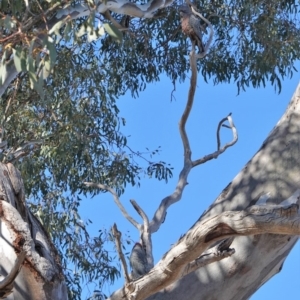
x=138, y=261
x=191, y=26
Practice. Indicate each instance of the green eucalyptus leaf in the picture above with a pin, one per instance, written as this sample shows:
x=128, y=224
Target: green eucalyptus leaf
x=20, y=59
x=113, y=31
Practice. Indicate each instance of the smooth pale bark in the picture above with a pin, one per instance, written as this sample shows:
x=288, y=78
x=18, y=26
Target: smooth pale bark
x=256, y=220
x=272, y=175
x=41, y=276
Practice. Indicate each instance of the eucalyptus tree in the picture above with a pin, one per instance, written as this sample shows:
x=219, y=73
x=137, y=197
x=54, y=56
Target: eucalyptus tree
x=63, y=66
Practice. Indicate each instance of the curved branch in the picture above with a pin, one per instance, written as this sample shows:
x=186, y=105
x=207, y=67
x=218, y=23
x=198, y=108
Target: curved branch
x=234, y=132
x=259, y=219
x=6, y=285
x=188, y=108
x=116, y=199
x=227, y=145
x=141, y=213
x=160, y=214
x=218, y=132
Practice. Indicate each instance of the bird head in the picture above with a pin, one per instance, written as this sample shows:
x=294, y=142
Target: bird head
x=184, y=10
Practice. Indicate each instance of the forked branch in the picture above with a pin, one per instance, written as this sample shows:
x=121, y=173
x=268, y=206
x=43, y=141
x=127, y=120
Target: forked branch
x=116, y=199
x=160, y=213
x=258, y=219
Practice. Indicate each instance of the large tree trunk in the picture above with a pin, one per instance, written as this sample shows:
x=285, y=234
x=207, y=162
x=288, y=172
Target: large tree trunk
x=272, y=175
x=21, y=234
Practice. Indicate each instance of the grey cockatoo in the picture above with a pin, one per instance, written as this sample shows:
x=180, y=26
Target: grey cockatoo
x=191, y=26
x=138, y=261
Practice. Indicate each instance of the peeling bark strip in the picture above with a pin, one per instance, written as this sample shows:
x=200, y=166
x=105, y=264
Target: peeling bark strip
x=271, y=177
x=41, y=276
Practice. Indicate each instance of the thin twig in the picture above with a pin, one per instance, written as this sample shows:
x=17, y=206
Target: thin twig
x=116, y=199
x=174, y=89
x=227, y=145
x=117, y=235
x=218, y=131
x=141, y=213
x=210, y=256
x=10, y=278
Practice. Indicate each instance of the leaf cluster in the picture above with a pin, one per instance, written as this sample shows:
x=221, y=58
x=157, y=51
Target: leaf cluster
x=84, y=258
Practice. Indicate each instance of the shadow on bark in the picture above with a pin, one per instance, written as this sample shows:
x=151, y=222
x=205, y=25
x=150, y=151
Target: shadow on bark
x=22, y=236
x=272, y=176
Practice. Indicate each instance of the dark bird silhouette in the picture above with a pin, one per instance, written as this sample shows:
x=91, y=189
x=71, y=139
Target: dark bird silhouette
x=191, y=26
x=138, y=261
x=225, y=244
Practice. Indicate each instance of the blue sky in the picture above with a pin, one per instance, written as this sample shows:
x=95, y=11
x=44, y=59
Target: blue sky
x=152, y=121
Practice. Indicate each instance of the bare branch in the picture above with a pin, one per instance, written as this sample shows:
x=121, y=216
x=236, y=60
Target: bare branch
x=145, y=234
x=210, y=256
x=116, y=199
x=161, y=212
x=258, y=219
x=174, y=89
x=234, y=132
x=141, y=213
x=117, y=234
x=188, y=108
x=218, y=132
x=227, y=145
x=6, y=285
